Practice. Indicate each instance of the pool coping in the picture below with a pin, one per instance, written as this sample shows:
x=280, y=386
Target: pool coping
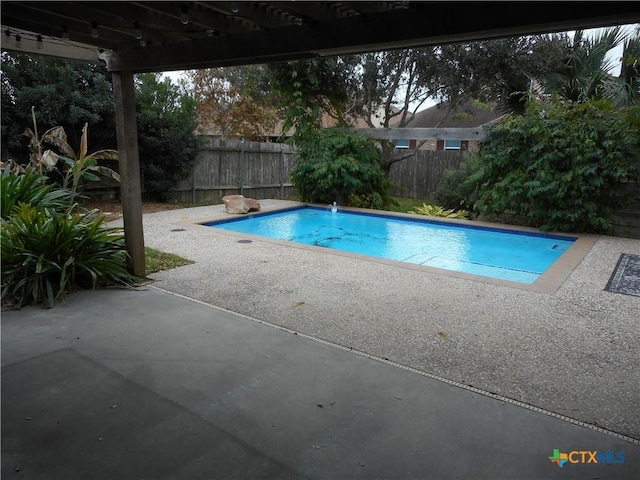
x=548, y=283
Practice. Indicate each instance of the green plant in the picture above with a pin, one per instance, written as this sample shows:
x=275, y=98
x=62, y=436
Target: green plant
x=31, y=188
x=75, y=168
x=438, y=211
x=335, y=165
x=401, y=204
x=562, y=165
x=157, y=261
x=167, y=143
x=46, y=255
x=64, y=93
x=455, y=191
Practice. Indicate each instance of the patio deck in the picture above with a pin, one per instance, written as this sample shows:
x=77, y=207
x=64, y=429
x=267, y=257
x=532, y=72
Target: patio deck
x=574, y=352
x=334, y=366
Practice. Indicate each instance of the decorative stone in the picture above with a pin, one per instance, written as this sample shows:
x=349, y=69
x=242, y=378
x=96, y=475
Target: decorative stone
x=240, y=204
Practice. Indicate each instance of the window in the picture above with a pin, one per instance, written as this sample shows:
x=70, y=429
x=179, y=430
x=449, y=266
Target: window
x=452, y=144
x=402, y=143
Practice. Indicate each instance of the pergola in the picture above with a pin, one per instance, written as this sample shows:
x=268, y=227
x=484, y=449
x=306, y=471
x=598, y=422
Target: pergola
x=136, y=37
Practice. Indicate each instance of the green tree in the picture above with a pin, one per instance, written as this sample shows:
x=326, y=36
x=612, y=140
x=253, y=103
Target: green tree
x=501, y=70
x=629, y=76
x=309, y=89
x=563, y=165
x=66, y=94
x=337, y=166
x=166, y=133
x=230, y=104
x=387, y=88
x=585, y=73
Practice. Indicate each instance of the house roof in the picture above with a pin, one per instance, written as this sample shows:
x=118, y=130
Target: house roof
x=469, y=114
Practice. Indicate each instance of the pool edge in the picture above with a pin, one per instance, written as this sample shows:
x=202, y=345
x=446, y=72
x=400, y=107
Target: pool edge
x=548, y=283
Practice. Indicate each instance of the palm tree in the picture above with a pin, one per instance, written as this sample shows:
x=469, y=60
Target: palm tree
x=626, y=88
x=585, y=75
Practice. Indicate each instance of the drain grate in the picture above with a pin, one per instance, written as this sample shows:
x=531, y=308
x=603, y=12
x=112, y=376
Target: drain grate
x=245, y=241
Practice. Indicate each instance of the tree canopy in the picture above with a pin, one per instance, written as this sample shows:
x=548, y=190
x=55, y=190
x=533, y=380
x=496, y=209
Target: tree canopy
x=67, y=94
x=231, y=103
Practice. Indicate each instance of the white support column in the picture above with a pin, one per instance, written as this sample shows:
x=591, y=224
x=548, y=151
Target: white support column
x=130, y=184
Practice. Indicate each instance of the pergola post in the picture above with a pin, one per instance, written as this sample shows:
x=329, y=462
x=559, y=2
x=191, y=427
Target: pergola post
x=130, y=185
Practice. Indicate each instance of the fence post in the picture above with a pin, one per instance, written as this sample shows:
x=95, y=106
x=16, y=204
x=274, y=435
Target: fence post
x=281, y=173
x=193, y=183
x=242, y=166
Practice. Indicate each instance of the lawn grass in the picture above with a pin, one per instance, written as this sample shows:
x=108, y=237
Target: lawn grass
x=408, y=204
x=157, y=261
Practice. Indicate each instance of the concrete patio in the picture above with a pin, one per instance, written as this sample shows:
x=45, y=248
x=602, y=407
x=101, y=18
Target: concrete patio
x=264, y=360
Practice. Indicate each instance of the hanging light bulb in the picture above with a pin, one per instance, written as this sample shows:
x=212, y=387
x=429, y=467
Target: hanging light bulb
x=210, y=33
x=235, y=8
x=143, y=42
x=136, y=31
x=7, y=35
x=94, y=30
x=184, y=16
x=18, y=41
x=65, y=33
x=39, y=42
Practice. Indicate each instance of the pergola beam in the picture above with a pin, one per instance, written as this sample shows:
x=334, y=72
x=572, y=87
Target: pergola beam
x=424, y=24
x=422, y=133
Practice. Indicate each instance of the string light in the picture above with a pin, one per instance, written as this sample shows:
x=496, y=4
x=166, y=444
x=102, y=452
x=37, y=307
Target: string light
x=143, y=42
x=136, y=31
x=184, y=16
x=235, y=8
x=39, y=42
x=94, y=30
x=65, y=33
x=18, y=41
x=7, y=34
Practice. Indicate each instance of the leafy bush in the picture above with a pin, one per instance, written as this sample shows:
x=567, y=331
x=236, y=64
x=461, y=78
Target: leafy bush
x=70, y=170
x=63, y=92
x=455, y=190
x=437, y=211
x=335, y=165
x=166, y=134
x=562, y=165
x=45, y=255
x=30, y=188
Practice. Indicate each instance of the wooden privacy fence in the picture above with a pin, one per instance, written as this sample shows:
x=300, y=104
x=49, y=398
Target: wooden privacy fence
x=419, y=175
x=261, y=170
x=230, y=167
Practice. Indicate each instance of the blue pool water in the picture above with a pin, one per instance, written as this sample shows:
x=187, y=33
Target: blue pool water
x=514, y=256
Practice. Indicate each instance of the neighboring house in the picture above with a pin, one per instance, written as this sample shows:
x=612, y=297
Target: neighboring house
x=469, y=114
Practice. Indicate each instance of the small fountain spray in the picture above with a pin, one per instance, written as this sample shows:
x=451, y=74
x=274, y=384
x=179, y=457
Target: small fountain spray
x=334, y=207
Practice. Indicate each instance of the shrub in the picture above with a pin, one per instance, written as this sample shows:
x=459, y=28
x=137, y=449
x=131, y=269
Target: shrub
x=438, y=211
x=30, y=188
x=46, y=254
x=167, y=142
x=335, y=165
x=562, y=165
x=455, y=190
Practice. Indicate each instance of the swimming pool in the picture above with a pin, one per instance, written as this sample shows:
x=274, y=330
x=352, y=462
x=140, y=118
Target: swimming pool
x=478, y=250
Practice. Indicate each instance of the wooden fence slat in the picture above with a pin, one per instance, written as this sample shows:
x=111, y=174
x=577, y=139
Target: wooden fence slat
x=228, y=167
